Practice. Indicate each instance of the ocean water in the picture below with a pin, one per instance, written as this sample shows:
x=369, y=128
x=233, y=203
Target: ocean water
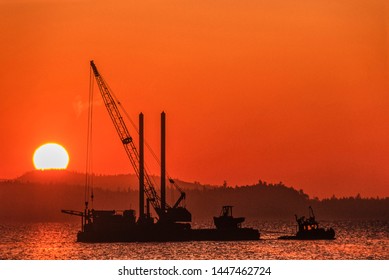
x=57, y=241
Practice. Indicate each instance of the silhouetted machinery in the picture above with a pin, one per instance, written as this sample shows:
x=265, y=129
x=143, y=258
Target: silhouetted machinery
x=308, y=229
x=226, y=220
x=172, y=221
x=165, y=212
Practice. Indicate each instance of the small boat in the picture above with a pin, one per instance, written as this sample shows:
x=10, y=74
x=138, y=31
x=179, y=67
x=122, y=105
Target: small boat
x=308, y=229
x=226, y=220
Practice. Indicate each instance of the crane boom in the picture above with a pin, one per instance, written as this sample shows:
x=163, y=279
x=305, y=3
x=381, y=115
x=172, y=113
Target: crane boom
x=125, y=138
x=167, y=213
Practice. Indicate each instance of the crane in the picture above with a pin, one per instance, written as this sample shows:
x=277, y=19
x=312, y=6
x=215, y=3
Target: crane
x=168, y=214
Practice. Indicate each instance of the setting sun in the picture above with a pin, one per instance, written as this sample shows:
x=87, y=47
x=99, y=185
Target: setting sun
x=50, y=156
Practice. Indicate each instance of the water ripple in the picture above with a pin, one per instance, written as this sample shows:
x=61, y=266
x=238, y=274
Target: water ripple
x=50, y=241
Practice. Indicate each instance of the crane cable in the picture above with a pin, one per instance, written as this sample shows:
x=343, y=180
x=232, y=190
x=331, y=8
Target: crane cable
x=149, y=147
x=145, y=142
x=136, y=129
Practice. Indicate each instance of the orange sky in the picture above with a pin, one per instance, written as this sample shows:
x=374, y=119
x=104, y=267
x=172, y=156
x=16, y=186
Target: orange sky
x=293, y=91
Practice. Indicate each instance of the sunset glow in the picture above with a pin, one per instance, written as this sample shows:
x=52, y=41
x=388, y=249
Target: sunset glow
x=283, y=90
x=50, y=156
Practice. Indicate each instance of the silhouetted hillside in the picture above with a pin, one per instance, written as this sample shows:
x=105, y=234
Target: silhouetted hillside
x=40, y=197
x=118, y=182
x=352, y=208
x=274, y=201
x=64, y=177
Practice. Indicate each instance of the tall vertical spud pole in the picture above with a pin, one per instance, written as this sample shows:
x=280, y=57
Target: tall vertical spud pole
x=141, y=170
x=163, y=162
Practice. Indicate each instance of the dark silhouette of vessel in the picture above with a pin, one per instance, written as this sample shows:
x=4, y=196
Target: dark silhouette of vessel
x=172, y=222
x=115, y=226
x=308, y=229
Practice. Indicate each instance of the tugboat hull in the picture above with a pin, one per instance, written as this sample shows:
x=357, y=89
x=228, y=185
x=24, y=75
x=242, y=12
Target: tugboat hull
x=319, y=234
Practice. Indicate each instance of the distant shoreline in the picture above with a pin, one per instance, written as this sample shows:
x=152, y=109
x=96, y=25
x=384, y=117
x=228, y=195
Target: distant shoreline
x=41, y=198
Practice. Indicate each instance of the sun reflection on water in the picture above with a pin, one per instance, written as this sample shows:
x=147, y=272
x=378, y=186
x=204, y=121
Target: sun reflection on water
x=50, y=241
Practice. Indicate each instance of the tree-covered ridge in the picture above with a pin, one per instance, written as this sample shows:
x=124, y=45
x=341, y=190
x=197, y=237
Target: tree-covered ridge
x=35, y=200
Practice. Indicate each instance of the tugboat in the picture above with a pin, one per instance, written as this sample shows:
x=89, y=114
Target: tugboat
x=226, y=220
x=308, y=229
x=229, y=227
